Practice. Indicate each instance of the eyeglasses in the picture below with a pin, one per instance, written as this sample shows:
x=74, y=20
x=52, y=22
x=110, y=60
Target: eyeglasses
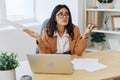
x=61, y=16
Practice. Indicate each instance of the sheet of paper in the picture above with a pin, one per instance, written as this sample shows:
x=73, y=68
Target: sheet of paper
x=89, y=64
x=95, y=67
x=18, y=26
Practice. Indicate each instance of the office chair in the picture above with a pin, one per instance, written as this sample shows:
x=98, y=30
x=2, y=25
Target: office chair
x=114, y=44
x=41, y=29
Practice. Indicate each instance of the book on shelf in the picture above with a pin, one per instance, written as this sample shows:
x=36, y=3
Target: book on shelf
x=99, y=19
x=95, y=17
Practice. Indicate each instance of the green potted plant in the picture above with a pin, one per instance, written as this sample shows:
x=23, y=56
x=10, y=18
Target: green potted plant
x=105, y=1
x=98, y=38
x=8, y=63
x=105, y=4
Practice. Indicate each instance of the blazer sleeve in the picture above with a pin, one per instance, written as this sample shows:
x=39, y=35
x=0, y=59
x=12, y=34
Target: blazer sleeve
x=43, y=45
x=80, y=44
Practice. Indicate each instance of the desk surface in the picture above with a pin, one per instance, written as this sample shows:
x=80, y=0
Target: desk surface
x=109, y=58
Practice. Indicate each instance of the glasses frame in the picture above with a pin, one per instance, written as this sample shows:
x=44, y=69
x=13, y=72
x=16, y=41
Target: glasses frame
x=61, y=16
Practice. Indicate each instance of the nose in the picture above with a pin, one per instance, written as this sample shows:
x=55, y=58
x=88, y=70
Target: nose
x=65, y=16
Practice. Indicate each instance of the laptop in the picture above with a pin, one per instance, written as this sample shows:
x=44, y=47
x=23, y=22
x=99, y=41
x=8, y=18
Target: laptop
x=50, y=63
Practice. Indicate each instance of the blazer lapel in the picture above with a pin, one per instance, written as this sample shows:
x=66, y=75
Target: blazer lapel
x=54, y=44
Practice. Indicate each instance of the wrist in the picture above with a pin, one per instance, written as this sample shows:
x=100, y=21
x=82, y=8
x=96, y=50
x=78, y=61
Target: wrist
x=85, y=35
x=38, y=38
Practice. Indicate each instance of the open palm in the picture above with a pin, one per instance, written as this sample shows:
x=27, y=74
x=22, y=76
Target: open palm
x=32, y=33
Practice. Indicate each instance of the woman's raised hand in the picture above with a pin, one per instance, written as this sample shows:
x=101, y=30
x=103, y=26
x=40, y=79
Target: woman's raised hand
x=32, y=33
x=89, y=28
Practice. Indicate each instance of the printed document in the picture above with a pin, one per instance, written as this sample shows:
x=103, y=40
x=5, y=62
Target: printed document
x=88, y=64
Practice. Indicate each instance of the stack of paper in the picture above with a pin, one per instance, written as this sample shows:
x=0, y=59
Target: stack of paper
x=89, y=64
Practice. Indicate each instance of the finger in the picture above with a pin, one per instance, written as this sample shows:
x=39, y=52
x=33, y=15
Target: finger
x=93, y=25
x=89, y=25
x=26, y=30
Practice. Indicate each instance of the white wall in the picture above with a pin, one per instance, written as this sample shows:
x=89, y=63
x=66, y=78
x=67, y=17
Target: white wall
x=44, y=9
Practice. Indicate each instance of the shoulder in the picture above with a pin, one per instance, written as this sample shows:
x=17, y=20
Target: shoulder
x=76, y=29
x=45, y=32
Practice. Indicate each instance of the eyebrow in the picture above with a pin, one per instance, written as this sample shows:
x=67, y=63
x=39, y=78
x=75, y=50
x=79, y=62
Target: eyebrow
x=62, y=13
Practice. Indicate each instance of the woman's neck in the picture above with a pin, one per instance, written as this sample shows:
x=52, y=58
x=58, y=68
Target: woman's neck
x=61, y=30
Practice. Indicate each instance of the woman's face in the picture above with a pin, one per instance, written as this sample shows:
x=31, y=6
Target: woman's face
x=62, y=17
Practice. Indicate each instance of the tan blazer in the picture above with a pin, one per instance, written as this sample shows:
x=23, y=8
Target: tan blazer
x=49, y=44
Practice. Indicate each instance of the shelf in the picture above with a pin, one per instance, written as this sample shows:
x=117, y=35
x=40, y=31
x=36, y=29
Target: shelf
x=103, y=10
x=105, y=31
x=93, y=49
x=96, y=15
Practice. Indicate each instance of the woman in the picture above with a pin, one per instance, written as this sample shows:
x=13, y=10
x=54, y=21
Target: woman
x=61, y=35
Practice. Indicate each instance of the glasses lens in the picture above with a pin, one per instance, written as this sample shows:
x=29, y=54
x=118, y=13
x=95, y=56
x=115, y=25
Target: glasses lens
x=62, y=15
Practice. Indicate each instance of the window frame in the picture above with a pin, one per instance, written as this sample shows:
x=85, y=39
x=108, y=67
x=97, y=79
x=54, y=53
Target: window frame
x=3, y=14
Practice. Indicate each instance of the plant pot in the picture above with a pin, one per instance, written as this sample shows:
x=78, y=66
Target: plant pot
x=8, y=75
x=117, y=4
x=99, y=46
x=106, y=5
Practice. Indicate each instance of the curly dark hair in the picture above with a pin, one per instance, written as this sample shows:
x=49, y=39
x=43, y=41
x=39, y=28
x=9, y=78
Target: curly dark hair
x=51, y=25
